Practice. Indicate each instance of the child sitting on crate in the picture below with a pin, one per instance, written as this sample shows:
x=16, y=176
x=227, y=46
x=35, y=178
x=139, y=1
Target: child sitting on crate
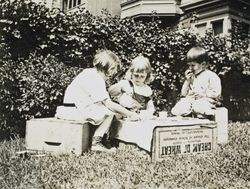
x=201, y=90
x=133, y=92
x=87, y=100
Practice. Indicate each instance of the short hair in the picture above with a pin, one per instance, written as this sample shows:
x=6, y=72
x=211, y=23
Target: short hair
x=140, y=64
x=197, y=54
x=105, y=59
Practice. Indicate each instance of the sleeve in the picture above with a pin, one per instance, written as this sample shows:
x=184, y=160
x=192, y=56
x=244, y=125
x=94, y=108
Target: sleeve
x=115, y=90
x=185, y=88
x=120, y=87
x=214, y=88
x=99, y=92
x=96, y=88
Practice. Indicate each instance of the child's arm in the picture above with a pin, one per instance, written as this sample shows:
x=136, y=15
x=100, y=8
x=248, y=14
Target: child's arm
x=186, y=85
x=119, y=109
x=115, y=90
x=185, y=88
x=119, y=88
x=150, y=107
x=214, y=90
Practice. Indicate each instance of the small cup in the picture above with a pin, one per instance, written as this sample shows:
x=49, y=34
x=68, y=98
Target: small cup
x=163, y=115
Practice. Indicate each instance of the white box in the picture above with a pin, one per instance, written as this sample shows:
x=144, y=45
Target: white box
x=55, y=135
x=221, y=118
x=183, y=140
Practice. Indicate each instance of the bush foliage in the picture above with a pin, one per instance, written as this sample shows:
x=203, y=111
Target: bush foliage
x=43, y=49
x=31, y=88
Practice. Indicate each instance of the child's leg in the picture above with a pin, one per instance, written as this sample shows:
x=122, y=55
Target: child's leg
x=183, y=107
x=97, y=143
x=104, y=127
x=204, y=107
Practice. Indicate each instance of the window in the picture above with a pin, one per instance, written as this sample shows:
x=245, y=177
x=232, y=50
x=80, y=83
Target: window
x=240, y=29
x=69, y=4
x=201, y=29
x=244, y=30
x=128, y=1
x=217, y=27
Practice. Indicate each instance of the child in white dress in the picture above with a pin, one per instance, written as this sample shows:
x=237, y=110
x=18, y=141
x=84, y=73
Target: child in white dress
x=133, y=92
x=86, y=99
x=201, y=90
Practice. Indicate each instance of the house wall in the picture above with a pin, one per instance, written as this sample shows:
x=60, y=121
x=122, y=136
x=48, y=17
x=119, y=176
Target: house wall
x=209, y=12
x=216, y=16
x=95, y=6
x=208, y=22
x=147, y=7
x=50, y=3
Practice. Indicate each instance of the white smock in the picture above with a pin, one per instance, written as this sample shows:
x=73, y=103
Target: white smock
x=87, y=92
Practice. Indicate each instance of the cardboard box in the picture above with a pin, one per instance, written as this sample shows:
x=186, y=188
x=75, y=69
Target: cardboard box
x=55, y=135
x=182, y=140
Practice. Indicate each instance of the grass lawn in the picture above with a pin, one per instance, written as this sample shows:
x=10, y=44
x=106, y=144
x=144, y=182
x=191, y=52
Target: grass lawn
x=130, y=167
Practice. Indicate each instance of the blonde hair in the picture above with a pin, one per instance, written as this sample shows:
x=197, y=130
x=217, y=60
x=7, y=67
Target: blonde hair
x=104, y=60
x=138, y=65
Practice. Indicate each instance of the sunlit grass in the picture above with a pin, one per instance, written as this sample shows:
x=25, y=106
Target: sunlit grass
x=130, y=167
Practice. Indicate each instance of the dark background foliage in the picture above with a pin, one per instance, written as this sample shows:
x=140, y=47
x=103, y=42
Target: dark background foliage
x=42, y=50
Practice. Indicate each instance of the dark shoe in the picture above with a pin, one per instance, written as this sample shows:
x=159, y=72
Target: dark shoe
x=110, y=143
x=98, y=146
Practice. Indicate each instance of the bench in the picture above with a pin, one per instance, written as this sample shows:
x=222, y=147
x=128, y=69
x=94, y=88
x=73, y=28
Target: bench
x=59, y=136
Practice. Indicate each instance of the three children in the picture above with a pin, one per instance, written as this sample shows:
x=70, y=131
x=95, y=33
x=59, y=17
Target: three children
x=87, y=99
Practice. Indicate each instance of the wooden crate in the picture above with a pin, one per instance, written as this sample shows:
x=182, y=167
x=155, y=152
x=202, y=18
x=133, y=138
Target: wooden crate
x=221, y=118
x=182, y=140
x=55, y=135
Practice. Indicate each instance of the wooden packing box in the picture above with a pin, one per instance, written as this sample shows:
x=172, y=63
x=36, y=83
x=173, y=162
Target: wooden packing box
x=182, y=140
x=55, y=135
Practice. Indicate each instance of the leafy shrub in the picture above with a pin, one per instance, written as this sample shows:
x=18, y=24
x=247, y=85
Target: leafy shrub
x=42, y=81
x=8, y=96
x=230, y=59
x=33, y=87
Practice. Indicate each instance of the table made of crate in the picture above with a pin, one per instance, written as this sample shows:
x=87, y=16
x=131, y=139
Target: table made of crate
x=52, y=134
x=169, y=136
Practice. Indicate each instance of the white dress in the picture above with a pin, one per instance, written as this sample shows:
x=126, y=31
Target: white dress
x=126, y=97
x=87, y=92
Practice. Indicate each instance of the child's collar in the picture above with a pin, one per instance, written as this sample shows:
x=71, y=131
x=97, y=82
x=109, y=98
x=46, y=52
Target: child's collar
x=200, y=72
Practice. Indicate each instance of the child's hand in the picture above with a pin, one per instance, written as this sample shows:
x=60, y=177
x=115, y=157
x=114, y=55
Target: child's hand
x=188, y=75
x=134, y=117
x=135, y=105
x=198, y=96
